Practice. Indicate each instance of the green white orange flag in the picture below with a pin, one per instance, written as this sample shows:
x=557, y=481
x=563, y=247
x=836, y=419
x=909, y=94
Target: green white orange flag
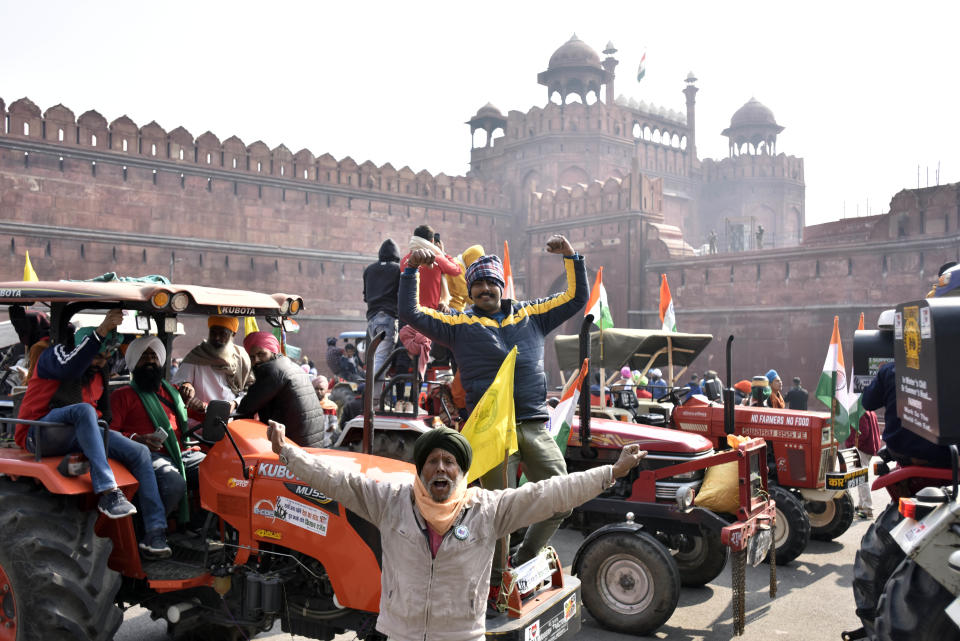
x=642, y=69
x=597, y=305
x=833, y=384
x=28, y=273
x=492, y=426
x=668, y=318
x=561, y=416
x=508, y=290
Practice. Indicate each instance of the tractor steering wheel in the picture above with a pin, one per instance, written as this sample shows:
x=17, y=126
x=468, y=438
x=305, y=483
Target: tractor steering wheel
x=674, y=395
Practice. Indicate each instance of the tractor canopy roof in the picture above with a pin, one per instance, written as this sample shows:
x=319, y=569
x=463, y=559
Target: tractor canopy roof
x=640, y=349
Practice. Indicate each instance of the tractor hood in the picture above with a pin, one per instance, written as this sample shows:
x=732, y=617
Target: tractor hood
x=606, y=433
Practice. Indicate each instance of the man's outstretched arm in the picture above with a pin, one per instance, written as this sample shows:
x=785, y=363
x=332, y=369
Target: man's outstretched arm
x=535, y=502
x=356, y=492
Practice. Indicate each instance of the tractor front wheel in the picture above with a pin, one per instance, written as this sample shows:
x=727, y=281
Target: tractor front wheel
x=829, y=519
x=630, y=582
x=792, y=530
x=700, y=559
x=54, y=579
x=913, y=606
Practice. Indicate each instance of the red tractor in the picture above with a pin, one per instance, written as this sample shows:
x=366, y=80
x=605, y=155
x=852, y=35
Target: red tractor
x=809, y=473
x=647, y=520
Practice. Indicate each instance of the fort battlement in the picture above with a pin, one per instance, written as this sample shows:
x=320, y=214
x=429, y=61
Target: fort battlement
x=58, y=125
x=752, y=166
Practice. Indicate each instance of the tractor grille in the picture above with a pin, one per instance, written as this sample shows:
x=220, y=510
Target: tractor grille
x=667, y=490
x=827, y=458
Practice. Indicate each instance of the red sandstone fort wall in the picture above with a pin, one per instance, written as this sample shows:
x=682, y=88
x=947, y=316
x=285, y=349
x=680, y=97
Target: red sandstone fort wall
x=122, y=199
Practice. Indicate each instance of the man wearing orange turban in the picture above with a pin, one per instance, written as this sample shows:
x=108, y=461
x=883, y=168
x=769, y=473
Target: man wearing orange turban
x=217, y=369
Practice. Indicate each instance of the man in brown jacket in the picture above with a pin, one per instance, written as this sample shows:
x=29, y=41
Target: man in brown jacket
x=437, y=534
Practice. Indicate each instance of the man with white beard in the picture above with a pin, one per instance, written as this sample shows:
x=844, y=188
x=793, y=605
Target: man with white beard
x=215, y=370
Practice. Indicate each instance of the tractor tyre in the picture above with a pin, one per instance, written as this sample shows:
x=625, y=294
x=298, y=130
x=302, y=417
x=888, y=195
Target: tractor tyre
x=701, y=559
x=792, y=530
x=829, y=519
x=53, y=568
x=878, y=556
x=912, y=607
x=630, y=582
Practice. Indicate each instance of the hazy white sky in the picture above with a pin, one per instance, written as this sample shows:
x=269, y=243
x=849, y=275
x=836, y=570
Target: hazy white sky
x=867, y=91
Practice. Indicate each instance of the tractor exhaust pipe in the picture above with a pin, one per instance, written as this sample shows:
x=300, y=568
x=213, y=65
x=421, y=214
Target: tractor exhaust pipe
x=728, y=416
x=369, y=380
x=585, y=450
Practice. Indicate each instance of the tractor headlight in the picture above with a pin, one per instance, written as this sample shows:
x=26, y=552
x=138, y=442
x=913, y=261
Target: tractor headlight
x=294, y=306
x=285, y=307
x=179, y=301
x=684, y=498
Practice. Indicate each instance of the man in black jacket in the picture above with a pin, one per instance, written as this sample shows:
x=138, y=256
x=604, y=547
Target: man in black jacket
x=380, y=282
x=282, y=392
x=482, y=336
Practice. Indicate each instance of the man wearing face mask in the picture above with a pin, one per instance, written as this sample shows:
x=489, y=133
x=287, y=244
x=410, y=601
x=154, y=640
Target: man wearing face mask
x=70, y=386
x=217, y=369
x=480, y=339
x=150, y=411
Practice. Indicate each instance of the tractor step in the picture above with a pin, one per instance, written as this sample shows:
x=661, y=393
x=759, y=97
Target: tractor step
x=187, y=560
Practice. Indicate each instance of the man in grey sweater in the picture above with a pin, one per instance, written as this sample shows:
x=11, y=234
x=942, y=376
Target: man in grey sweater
x=437, y=534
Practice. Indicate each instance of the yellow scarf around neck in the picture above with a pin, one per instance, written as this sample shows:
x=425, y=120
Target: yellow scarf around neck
x=440, y=516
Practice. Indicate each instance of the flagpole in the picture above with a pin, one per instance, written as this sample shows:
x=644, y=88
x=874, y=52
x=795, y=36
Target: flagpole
x=505, y=541
x=603, y=371
x=833, y=405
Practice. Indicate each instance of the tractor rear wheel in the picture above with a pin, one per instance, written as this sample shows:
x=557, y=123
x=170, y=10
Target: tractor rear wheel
x=630, y=582
x=912, y=607
x=829, y=519
x=878, y=556
x=792, y=530
x=700, y=559
x=53, y=568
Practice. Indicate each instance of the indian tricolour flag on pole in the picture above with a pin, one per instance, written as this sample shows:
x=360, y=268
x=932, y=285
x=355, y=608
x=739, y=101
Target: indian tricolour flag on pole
x=597, y=305
x=642, y=69
x=561, y=416
x=668, y=318
x=508, y=290
x=833, y=385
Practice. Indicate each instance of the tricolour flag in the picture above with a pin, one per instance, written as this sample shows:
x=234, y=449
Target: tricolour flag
x=833, y=384
x=28, y=273
x=642, y=69
x=597, y=305
x=508, y=290
x=492, y=426
x=668, y=318
x=561, y=416
x=860, y=326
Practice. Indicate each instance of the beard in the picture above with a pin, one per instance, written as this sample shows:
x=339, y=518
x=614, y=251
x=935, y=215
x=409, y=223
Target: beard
x=148, y=377
x=440, y=487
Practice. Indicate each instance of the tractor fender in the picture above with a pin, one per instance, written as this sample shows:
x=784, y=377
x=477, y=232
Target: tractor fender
x=628, y=527
x=20, y=463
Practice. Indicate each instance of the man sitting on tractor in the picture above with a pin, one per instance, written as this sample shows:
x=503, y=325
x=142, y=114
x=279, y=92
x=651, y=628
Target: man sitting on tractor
x=437, y=534
x=150, y=411
x=69, y=381
x=217, y=369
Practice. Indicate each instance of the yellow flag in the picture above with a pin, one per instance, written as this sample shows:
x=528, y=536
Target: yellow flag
x=28, y=273
x=250, y=325
x=492, y=427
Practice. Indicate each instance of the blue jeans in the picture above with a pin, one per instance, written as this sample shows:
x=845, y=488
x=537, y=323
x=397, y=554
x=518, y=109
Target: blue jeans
x=87, y=437
x=382, y=322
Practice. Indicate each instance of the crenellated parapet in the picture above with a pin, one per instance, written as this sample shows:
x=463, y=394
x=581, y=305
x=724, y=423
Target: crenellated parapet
x=752, y=166
x=58, y=125
x=596, y=199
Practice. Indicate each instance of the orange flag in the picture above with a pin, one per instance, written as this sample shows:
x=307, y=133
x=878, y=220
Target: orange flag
x=508, y=290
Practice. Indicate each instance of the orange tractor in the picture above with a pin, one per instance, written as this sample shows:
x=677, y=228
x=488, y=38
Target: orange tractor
x=261, y=545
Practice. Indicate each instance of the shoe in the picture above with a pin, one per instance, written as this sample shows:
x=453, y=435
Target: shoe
x=866, y=513
x=115, y=505
x=154, y=546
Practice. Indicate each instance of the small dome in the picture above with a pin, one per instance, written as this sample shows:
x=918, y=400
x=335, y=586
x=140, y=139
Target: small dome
x=753, y=114
x=574, y=53
x=488, y=111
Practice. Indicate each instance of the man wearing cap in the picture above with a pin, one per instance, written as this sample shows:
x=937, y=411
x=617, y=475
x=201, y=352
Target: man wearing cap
x=282, y=392
x=480, y=339
x=70, y=386
x=150, y=411
x=437, y=535
x=656, y=385
x=217, y=369
x=759, y=392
